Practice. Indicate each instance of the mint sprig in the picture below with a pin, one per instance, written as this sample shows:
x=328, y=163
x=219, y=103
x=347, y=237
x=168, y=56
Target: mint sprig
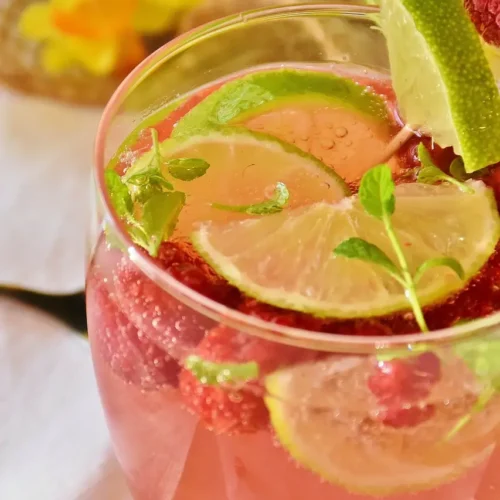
x=430, y=173
x=147, y=200
x=276, y=204
x=376, y=194
x=210, y=373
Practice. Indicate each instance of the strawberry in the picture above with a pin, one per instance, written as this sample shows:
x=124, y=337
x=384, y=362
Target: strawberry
x=236, y=410
x=165, y=320
x=485, y=15
x=126, y=350
x=399, y=382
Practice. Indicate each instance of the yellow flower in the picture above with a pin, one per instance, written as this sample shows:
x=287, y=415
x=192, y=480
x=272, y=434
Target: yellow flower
x=103, y=36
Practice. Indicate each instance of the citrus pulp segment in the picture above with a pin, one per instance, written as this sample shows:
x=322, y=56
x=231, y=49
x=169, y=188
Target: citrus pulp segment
x=442, y=78
x=287, y=259
x=245, y=168
x=343, y=123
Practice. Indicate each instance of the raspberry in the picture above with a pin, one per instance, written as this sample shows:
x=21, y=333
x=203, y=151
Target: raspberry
x=406, y=379
x=163, y=319
x=401, y=381
x=399, y=417
x=126, y=350
x=236, y=410
x=485, y=15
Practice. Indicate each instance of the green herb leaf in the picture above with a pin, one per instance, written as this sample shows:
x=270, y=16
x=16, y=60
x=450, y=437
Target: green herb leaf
x=453, y=264
x=356, y=248
x=430, y=174
x=187, y=169
x=144, y=179
x=211, y=373
x=280, y=199
x=483, y=358
x=118, y=192
x=159, y=218
x=376, y=192
x=457, y=170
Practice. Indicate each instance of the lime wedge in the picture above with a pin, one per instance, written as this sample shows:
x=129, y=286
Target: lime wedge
x=287, y=259
x=326, y=418
x=245, y=168
x=337, y=120
x=443, y=82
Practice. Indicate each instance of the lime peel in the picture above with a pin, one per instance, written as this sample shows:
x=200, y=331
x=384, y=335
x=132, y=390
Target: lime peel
x=442, y=78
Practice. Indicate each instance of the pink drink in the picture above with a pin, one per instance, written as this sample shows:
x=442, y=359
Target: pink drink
x=178, y=437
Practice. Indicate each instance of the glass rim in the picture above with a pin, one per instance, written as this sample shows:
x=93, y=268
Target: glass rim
x=355, y=344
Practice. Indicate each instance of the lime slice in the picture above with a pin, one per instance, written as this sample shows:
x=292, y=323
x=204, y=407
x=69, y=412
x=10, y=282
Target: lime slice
x=444, y=84
x=335, y=119
x=245, y=168
x=287, y=259
x=326, y=418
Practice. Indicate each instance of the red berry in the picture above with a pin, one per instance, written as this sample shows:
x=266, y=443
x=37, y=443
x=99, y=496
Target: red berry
x=399, y=416
x=399, y=382
x=405, y=379
x=165, y=320
x=485, y=15
x=225, y=409
x=126, y=350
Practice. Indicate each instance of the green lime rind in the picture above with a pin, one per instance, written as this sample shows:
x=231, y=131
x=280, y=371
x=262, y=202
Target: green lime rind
x=173, y=146
x=442, y=78
x=317, y=218
x=249, y=93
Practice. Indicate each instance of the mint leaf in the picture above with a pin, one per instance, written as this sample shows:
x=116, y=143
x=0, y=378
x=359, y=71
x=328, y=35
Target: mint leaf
x=144, y=179
x=430, y=174
x=376, y=192
x=118, y=192
x=210, y=373
x=356, y=248
x=275, y=205
x=453, y=264
x=187, y=169
x=457, y=170
x=159, y=218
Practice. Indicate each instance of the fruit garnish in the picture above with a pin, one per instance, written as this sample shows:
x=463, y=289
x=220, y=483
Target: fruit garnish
x=342, y=123
x=286, y=259
x=127, y=351
x=233, y=406
x=485, y=16
x=430, y=173
x=316, y=419
x=376, y=195
x=275, y=205
x=242, y=159
x=400, y=384
x=443, y=81
x=160, y=317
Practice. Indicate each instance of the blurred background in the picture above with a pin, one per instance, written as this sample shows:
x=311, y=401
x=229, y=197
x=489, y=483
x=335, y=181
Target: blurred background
x=60, y=62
